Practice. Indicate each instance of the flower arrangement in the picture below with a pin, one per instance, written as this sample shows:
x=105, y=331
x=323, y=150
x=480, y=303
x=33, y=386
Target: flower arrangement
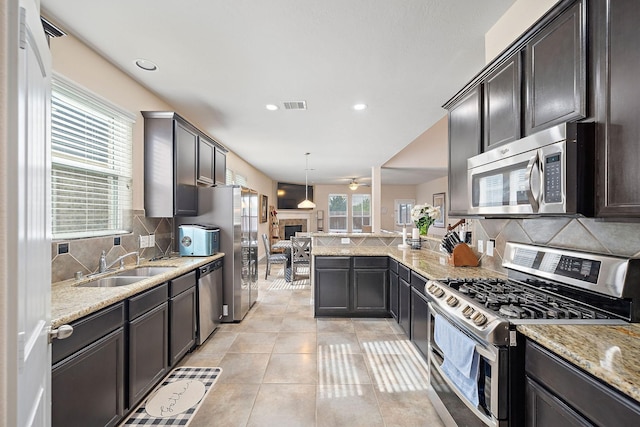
x=423, y=216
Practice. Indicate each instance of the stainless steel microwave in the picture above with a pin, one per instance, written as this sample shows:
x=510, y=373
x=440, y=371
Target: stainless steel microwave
x=548, y=173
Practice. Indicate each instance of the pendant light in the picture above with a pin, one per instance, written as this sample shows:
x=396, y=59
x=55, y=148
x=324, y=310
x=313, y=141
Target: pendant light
x=306, y=204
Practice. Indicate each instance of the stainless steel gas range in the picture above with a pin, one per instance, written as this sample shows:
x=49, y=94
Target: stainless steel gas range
x=475, y=358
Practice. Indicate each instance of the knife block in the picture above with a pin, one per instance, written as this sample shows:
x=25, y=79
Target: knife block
x=463, y=256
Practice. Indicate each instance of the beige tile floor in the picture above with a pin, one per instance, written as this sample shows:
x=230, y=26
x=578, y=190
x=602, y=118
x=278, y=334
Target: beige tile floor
x=283, y=367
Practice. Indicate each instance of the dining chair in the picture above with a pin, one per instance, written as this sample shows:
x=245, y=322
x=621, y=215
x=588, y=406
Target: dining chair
x=271, y=258
x=300, y=255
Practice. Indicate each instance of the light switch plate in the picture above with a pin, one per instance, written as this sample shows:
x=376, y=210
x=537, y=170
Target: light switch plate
x=152, y=240
x=490, y=245
x=345, y=240
x=481, y=246
x=144, y=241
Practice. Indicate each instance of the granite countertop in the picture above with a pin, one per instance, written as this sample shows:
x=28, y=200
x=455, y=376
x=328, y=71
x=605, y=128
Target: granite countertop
x=429, y=264
x=610, y=353
x=70, y=302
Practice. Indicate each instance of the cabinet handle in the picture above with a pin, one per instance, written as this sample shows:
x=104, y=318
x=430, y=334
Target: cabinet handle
x=63, y=331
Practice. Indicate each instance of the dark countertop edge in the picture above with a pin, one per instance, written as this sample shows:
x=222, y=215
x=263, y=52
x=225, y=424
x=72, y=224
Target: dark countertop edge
x=70, y=302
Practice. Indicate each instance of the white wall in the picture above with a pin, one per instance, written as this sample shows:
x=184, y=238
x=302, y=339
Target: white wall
x=391, y=193
x=424, y=194
x=82, y=65
x=79, y=63
x=516, y=20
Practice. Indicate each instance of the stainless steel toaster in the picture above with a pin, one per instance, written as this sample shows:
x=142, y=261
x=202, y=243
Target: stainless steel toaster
x=198, y=240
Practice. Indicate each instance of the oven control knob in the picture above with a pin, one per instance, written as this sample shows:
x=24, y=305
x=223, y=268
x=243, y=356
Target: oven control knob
x=479, y=319
x=467, y=311
x=436, y=290
x=452, y=301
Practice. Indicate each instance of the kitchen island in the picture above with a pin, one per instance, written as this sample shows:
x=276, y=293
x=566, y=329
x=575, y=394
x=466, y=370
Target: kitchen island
x=610, y=353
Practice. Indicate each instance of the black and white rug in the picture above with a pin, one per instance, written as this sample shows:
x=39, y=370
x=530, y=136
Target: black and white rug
x=176, y=399
x=280, y=283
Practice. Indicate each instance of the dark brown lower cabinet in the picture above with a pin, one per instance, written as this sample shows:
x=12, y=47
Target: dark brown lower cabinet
x=370, y=285
x=545, y=409
x=351, y=286
x=560, y=394
x=88, y=387
x=419, y=321
x=332, y=286
x=88, y=371
x=148, y=342
x=182, y=311
x=394, y=284
x=404, y=306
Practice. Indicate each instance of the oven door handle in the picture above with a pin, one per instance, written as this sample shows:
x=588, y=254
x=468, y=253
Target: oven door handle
x=531, y=172
x=484, y=350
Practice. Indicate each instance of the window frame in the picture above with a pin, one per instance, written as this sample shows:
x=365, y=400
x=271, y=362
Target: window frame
x=399, y=203
x=355, y=215
x=345, y=216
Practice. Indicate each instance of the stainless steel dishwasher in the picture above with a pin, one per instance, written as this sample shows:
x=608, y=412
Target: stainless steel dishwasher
x=209, y=299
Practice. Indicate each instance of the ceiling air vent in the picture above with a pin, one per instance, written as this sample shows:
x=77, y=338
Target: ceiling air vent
x=295, y=105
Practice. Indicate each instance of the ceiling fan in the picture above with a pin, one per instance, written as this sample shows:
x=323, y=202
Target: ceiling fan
x=354, y=184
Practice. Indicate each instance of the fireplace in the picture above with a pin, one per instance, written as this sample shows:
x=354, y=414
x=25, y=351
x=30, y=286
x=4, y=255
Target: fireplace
x=289, y=227
x=291, y=230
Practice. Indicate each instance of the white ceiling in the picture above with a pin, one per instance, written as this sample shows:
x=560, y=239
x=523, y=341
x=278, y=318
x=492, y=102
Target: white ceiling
x=221, y=61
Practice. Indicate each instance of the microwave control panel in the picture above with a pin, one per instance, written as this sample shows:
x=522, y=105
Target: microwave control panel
x=553, y=178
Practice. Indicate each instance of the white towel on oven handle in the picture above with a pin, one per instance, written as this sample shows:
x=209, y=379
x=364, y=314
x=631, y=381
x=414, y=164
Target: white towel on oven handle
x=460, y=358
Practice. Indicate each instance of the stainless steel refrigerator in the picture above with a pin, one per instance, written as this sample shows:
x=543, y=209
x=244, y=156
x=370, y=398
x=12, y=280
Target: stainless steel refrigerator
x=235, y=210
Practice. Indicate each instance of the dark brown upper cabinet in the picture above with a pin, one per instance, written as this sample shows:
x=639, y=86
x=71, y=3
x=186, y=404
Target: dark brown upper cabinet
x=178, y=158
x=502, y=93
x=617, y=104
x=206, y=162
x=465, y=139
x=220, y=166
x=555, y=73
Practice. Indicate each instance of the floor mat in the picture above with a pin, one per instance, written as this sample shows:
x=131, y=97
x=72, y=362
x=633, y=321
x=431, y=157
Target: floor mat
x=281, y=284
x=176, y=399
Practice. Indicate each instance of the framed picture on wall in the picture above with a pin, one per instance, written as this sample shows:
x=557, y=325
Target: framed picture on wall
x=264, y=202
x=438, y=200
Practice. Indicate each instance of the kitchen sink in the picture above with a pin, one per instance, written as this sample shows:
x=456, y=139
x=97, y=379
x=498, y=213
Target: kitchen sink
x=111, y=282
x=145, y=271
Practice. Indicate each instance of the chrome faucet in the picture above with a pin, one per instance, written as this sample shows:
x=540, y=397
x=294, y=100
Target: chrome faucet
x=103, y=266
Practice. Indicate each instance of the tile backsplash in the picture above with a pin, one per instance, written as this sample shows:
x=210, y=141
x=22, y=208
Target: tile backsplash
x=83, y=255
x=584, y=234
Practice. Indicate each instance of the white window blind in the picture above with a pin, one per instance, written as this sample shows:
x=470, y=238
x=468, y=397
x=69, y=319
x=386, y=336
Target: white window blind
x=235, y=178
x=91, y=142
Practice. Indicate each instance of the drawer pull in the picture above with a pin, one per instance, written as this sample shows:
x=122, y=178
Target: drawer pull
x=63, y=331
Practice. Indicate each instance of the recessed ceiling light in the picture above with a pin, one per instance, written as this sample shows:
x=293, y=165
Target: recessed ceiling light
x=146, y=65
x=271, y=107
x=360, y=107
